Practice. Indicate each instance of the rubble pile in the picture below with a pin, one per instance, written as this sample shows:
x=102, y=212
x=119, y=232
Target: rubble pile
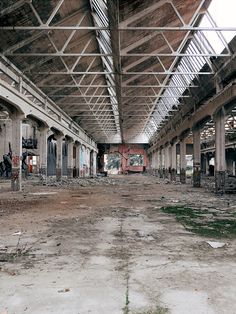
x=230, y=184
x=84, y=182
x=208, y=183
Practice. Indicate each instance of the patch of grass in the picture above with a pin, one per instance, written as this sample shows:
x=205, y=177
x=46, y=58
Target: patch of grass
x=157, y=310
x=126, y=308
x=196, y=220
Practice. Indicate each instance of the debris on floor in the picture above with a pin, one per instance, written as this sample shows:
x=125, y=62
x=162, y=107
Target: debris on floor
x=103, y=248
x=84, y=182
x=63, y=290
x=216, y=245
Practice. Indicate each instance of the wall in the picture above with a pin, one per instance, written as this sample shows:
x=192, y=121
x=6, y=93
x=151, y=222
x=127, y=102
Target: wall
x=127, y=149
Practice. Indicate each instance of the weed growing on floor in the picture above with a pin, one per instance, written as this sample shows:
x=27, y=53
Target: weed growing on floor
x=198, y=221
x=126, y=308
x=157, y=310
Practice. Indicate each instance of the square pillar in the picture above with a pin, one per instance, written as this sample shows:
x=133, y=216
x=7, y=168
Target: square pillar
x=173, y=162
x=94, y=163
x=183, y=161
x=16, y=148
x=59, y=139
x=43, y=151
x=196, y=158
x=91, y=161
x=220, y=164
x=160, y=163
x=5, y=136
x=77, y=160
x=70, y=159
x=167, y=161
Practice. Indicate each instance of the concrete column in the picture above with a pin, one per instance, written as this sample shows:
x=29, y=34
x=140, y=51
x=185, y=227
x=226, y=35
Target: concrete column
x=207, y=163
x=155, y=163
x=77, y=160
x=220, y=164
x=86, y=162
x=59, y=139
x=160, y=163
x=43, y=151
x=167, y=162
x=203, y=163
x=182, y=161
x=16, y=147
x=173, y=162
x=83, y=161
x=230, y=162
x=94, y=163
x=5, y=136
x=70, y=159
x=91, y=161
x=196, y=158
x=150, y=156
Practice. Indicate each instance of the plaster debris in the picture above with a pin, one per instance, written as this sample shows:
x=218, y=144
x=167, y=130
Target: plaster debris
x=43, y=193
x=216, y=245
x=84, y=182
x=17, y=233
x=64, y=290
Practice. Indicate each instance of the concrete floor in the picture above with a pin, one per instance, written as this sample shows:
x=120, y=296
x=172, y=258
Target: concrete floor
x=111, y=249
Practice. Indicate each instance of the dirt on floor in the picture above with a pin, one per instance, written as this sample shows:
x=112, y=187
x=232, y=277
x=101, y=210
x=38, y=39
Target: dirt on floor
x=124, y=244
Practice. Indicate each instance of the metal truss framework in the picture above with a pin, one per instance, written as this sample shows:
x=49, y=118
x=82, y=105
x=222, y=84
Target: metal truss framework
x=208, y=132
x=82, y=77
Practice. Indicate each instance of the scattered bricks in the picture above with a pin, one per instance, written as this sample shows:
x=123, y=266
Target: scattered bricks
x=84, y=182
x=230, y=184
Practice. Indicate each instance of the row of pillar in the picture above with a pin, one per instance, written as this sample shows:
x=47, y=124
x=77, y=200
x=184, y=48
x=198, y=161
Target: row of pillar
x=16, y=153
x=70, y=158
x=165, y=158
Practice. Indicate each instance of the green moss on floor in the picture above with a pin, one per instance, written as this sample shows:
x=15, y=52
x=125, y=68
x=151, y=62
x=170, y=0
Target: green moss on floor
x=204, y=222
x=157, y=310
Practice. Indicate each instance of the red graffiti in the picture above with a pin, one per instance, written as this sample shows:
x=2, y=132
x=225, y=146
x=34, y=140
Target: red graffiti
x=16, y=161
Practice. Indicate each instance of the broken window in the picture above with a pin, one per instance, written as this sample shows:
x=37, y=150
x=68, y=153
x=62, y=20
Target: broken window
x=135, y=160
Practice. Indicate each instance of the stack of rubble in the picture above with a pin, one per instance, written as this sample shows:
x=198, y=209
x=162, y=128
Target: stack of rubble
x=230, y=184
x=52, y=181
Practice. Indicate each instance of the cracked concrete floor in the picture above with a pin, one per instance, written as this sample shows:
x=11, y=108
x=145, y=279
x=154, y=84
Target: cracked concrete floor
x=110, y=249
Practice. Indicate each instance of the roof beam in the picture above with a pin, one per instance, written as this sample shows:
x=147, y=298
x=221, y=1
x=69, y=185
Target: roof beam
x=124, y=86
x=109, y=96
x=126, y=73
x=12, y=7
x=138, y=28
x=88, y=54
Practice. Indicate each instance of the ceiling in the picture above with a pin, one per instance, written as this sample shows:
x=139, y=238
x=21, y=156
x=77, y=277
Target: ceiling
x=118, y=68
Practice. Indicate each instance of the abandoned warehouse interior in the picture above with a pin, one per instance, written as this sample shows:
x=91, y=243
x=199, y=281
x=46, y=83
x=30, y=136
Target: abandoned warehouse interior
x=117, y=156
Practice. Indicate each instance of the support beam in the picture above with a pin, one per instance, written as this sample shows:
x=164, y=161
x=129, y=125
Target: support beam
x=16, y=146
x=220, y=164
x=141, y=28
x=77, y=160
x=183, y=160
x=43, y=151
x=166, y=162
x=173, y=161
x=158, y=161
x=59, y=139
x=70, y=148
x=94, y=163
x=161, y=162
x=196, y=158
